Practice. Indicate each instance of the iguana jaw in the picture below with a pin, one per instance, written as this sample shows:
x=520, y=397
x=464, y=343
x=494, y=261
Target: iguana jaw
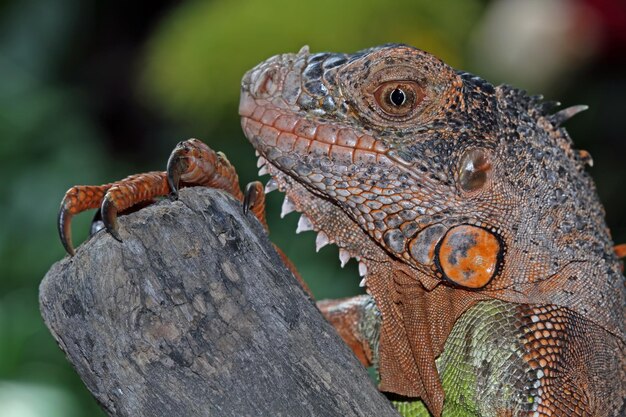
x=281, y=134
x=319, y=212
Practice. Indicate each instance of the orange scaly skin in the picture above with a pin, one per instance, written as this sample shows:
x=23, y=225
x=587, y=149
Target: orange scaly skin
x=192, y=163
x=467, y=208
x=117, y=196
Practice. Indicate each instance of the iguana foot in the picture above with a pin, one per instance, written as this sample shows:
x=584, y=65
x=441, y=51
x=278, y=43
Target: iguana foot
x=357, y=320
x=111, y=198
x=192, y=163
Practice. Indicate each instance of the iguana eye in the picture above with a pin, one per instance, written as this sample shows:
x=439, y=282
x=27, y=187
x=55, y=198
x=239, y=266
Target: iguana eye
x=474, y=170
x=398, y=98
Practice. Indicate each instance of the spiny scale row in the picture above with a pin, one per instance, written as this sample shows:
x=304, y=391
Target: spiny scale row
x=305, y=224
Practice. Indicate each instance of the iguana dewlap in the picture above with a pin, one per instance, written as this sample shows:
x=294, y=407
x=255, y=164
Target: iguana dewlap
x=493, y=286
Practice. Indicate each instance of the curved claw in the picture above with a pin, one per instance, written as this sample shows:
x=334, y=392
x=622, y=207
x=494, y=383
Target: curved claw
x=109, y=218
x=254, y=201
x=64, y=225
x=76, y=200
x=251, y=196
x=177, y=165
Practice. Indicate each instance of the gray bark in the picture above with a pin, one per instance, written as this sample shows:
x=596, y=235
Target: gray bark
x=194, y=314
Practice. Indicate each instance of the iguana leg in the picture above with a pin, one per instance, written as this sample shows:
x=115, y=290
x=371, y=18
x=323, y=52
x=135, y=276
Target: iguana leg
x=254, y=201
x=357, y=320
x=191, y=163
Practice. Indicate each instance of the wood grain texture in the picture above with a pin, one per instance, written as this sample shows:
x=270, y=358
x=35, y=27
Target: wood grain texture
x=194, y=314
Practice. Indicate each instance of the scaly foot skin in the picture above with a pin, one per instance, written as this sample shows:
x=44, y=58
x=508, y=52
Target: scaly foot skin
x=192, y=163
x=111, y=199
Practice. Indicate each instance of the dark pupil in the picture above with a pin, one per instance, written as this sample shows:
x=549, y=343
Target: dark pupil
x=397, y=97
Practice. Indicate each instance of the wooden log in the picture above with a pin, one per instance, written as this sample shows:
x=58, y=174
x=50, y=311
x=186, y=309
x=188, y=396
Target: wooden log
x=194, y=314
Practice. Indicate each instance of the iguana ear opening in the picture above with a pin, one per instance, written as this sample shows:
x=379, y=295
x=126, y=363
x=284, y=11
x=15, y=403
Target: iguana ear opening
x=474, y=171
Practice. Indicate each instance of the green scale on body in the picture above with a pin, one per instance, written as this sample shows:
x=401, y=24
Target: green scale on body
x=482, y=366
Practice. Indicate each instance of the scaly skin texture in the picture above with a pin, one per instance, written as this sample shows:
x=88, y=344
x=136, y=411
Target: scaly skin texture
x=493, y=286
x=451, y=192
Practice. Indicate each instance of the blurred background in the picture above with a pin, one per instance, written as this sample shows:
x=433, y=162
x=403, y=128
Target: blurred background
x=93, y=90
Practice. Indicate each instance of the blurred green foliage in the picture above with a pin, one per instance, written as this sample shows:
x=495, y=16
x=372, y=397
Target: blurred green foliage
x=196, y=59
x=183, y=72
x=43, y=130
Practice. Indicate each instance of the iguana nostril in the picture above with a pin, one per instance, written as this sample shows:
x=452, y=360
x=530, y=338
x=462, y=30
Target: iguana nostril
x=266, y=83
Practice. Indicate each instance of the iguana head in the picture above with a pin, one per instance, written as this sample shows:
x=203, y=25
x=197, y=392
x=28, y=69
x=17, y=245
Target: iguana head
x=471, y=191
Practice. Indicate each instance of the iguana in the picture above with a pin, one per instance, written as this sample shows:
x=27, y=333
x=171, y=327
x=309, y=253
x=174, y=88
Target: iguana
x=493, y=287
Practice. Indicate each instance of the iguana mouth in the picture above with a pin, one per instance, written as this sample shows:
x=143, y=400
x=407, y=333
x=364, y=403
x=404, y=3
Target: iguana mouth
x=304, y=197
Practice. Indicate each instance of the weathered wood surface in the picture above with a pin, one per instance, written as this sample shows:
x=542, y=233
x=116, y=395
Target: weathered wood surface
x=193, y=314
